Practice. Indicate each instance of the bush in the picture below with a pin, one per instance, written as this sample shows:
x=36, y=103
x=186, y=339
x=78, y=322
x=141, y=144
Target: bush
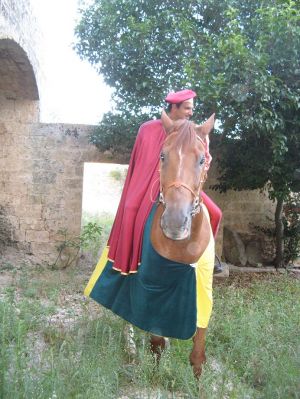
x=291, y=221
x=70, y=246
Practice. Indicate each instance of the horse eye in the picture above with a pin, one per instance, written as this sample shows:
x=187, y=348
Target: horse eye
x=162, y=156
x=202, y=160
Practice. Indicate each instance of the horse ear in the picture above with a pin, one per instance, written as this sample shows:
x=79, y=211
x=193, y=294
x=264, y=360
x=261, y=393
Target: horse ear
x=206, y=127
x=167, y=122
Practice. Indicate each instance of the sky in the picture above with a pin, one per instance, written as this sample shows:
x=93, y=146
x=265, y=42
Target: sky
x=72, y=91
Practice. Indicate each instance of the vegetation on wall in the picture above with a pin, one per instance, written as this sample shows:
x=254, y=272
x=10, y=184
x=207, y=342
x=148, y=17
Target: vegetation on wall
x=242, y=58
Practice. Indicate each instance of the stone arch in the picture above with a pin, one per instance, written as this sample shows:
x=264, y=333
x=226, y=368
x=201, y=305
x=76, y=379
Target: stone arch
x=17, y=76
x=19, y=110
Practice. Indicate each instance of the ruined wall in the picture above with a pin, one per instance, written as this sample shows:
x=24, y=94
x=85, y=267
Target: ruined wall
x=19, y=108
x=42, y=178
x=41, y=165
x=16, y=117
x=57, y=153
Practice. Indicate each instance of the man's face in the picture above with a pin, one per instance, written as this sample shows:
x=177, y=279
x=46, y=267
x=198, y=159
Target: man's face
x=185, y=111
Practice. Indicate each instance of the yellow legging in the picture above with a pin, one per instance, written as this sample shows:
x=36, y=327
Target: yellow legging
x=204, y=280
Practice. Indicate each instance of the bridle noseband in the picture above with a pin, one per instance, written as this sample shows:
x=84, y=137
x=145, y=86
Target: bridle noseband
x=197, y=204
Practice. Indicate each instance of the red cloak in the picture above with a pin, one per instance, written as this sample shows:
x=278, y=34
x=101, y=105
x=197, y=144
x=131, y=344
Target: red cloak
x=140, y=189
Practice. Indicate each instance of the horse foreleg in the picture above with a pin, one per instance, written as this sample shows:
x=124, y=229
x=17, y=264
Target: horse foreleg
x=157, y=346
x=197, y=356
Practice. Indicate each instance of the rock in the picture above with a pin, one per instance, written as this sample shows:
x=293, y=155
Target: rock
x=233, y=247
x=253, y=253
x=224, y=273
x=268, y=250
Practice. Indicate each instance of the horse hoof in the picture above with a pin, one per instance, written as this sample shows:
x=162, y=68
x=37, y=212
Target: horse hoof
x=157, y=346
x=196, y=362
x=197, y=370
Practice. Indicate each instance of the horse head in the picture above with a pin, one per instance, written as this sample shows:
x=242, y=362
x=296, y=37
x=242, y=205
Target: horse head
x=182, y=174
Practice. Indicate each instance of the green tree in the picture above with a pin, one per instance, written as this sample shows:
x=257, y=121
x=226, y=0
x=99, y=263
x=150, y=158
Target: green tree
x=243, y=59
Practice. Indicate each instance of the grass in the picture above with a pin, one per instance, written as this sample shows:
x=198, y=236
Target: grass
x=56, y=344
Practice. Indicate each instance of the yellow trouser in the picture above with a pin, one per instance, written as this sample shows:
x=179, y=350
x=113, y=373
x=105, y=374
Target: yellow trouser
x=204, y=278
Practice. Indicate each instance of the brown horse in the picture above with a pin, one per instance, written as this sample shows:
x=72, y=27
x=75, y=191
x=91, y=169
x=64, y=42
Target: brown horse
x=180, y=230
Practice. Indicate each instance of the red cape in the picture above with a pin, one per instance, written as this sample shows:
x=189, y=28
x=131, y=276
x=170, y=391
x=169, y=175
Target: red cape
x=140, y=189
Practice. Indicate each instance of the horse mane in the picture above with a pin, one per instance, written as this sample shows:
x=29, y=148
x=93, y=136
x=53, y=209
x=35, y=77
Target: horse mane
x=184, y=134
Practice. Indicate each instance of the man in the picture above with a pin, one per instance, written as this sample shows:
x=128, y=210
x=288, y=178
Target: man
x=125, y=241
x=120, y=281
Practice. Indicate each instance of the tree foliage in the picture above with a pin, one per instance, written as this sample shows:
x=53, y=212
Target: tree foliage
x=242, y=58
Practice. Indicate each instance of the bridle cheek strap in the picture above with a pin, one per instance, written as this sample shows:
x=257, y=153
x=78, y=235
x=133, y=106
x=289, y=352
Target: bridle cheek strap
x=177, y=184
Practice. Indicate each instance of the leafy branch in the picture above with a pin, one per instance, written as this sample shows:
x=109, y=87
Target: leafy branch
x=70, y=246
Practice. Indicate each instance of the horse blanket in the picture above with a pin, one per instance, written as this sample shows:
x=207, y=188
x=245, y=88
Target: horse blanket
x=164, y=298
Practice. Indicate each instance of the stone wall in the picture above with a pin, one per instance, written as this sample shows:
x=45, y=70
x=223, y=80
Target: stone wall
x=16, y=118
x=41, y=180
x=41, y=165
x=42, y=176
x=243, y=211
x=58, y=153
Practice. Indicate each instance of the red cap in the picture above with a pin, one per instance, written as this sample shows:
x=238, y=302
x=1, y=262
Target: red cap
x=179, y=96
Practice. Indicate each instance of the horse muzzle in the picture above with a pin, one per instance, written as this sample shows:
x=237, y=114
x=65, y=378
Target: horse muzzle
x=176, y=227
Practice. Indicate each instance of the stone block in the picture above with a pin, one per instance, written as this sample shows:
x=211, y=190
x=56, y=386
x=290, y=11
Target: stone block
x=19, y=235
x=33, y=211
x=43, y=176
x=35, y=199
x=14, y=221
x=37, y=236
x=14, y=189
x=45, y=249
x=52, y=225
x=7, y=140
x=27, y=111
x=3, y=129
x=13, y=167
x=7, y=110
x=79, y=171
x=39, y=188
x=233, y=247
x=51, y=213
x=73, y=183
x=254, y=253
x=32, y=224
x=224, y=273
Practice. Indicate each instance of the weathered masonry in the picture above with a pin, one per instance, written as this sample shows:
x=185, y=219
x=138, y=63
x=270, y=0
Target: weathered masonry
x=41, y=165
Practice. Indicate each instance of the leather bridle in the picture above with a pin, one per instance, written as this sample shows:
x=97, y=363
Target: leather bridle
x=197, y=203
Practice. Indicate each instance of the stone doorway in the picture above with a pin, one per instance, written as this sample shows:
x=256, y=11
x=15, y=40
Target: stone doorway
x=102, y=188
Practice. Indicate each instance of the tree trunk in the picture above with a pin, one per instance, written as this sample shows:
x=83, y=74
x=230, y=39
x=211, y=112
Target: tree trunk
x=279, y=229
